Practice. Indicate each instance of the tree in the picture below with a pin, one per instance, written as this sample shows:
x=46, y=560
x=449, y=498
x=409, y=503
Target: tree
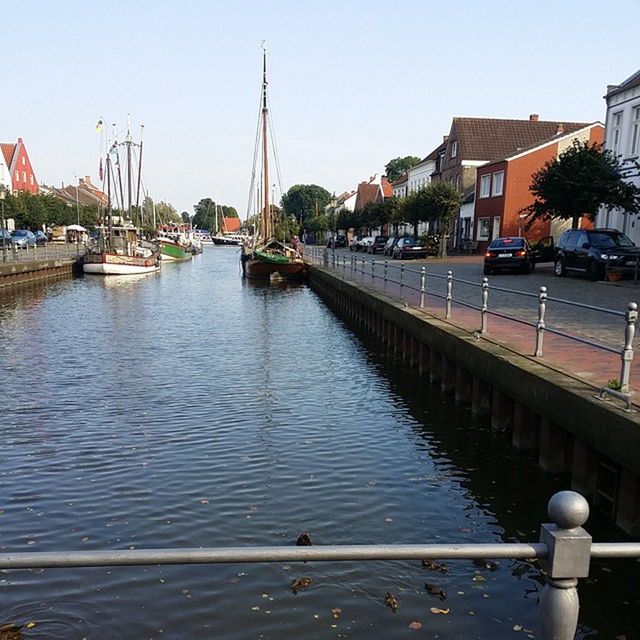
x=578, y=182
x=166, y=213
x=396, y=167
x=205, y=215
x=186, y=218
x=441, y=201
x=305, y=201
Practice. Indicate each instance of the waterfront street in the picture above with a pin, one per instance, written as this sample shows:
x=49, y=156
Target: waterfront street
x=590, y=363
x=254, y=414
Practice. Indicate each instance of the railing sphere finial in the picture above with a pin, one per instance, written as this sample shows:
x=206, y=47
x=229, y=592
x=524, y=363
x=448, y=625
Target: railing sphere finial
x=568, y=509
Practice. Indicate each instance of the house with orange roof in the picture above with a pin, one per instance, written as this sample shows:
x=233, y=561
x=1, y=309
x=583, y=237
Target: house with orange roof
x=502, y=188
x=231, y=225
x=20, y=172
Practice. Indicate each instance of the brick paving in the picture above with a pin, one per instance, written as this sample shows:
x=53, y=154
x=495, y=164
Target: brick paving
x=593, y=365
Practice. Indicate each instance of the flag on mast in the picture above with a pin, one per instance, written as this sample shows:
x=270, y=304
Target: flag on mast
x=99, y=126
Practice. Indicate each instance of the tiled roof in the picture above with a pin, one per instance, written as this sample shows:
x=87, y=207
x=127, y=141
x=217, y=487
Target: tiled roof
x=366, y=193
x=436, y=152
x=401, y=180
x=231, y=225
x=491, y=138
x=8, y=149
x=629, y=83
x=387, y=187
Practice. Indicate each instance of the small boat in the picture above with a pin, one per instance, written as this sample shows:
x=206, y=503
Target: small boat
x=264, y=257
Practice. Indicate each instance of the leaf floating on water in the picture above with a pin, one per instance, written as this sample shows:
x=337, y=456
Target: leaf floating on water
x=300, y=583
x=479, y=578
x=443, y=612
x=434, y=590
x=517, y=627
x=336, y=612
x=388, y=519
x=30, y=625
x=204, y=501
x=432, y=565
x=415, y=625
x=304, y=540
x=391, y=601
x=481, y=563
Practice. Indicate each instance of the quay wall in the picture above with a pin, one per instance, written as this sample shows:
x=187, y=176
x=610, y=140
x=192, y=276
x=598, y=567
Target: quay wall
x=17, y=273
x=547, y=411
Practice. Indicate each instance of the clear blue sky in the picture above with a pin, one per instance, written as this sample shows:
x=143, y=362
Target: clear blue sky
x=352, y=84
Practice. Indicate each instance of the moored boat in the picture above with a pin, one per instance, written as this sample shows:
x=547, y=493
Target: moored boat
x=264, y=257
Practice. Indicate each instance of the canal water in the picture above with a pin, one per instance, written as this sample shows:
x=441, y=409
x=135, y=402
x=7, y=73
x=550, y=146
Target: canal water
x=189, y=408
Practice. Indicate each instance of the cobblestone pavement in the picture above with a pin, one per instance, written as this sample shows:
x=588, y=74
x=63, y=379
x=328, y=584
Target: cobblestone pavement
x=608, y=329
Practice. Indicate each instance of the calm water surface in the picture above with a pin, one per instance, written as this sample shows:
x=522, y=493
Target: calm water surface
x=189, y=408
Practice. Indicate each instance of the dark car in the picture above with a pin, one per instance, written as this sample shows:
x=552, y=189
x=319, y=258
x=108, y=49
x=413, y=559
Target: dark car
x=409, y=248
x=23, y=238
x=338, y=241
x=513, y=254
x=353, y=245
x=41, y=238
x=389, y=244
x=594, y=252
x=377, y=246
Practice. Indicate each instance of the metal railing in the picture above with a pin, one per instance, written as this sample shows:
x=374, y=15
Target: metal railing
x=49, y=251
x=565, y=550
x=355, y=268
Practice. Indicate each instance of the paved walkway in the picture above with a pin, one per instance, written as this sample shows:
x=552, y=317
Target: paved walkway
x=593, y=365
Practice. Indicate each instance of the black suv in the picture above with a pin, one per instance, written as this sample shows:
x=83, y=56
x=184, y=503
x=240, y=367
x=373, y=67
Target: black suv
x=594, y=251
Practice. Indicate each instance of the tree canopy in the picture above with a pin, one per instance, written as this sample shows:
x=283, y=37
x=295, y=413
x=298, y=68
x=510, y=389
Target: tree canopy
x=578, y=182
x=305, y=201
x=396, y=167
x=205, y=215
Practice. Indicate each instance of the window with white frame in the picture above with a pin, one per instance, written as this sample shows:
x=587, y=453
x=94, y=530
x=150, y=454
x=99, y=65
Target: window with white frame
x=24, y=176
x=23, y=160
x=616, y=133
x=454, y=148
x=498, y=183
x=634, y=149
x=484, y=228
x=31, y=178
x=457, y=182
x=17, y=176
x=485, y=186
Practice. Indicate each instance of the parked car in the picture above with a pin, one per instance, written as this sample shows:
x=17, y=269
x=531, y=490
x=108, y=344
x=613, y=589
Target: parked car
x=41, y=238
x=353, y=245
x=513, y=254
x=594, y=251
x=364, y=243
x=409, y=248
x=5, y=238
x=377, y=246
x=339, y=241
x=390, y=243
x=23, y=238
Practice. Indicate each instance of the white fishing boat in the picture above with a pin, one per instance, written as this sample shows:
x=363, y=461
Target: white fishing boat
x=120, y=248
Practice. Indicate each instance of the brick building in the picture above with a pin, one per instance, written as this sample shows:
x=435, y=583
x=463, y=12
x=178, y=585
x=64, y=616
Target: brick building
x=18, y=164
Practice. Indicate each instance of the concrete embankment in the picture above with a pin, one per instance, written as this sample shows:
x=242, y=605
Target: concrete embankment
x=16, y=273
x=550, y=412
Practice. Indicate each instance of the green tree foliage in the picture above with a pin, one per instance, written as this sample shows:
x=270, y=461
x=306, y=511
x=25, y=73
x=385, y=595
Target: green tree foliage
x=396, y=167
x=166, y=213
x=304, y=202
x=578, y=182
x=35, y=211
x=186, y=218
x=205, y=215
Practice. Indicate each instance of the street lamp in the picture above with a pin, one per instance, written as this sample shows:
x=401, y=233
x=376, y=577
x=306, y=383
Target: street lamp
x=3, y=193
x=334, y=203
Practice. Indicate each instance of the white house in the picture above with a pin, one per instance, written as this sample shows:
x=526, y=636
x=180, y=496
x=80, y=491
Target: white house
x=5, y=175
x=622, y=137
x=419, y=177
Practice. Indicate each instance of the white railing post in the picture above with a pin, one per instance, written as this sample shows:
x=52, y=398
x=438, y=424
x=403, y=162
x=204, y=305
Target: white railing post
x=485, y=304
x=569, y=554
x=542, y=308
x=384, y=286
x=423, y=280
x=626, y=356
x=449, y=298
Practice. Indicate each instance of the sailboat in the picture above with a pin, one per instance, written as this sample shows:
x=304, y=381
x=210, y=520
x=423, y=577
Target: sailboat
x=120, y=249
x=263, y=256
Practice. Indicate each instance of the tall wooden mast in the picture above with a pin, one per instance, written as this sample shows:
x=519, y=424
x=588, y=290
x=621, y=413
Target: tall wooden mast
x=266, y=213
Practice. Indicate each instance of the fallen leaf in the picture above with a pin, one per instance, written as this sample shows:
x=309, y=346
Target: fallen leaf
x=300, y=583
x=415, y=625
x=440, y=611
x=336, y=612
x=388, y=519
x=30, y=625
x=391, y=601
x=517, y=627
x=204, y=502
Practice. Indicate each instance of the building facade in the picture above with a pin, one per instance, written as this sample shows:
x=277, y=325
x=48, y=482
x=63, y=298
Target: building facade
x=19, y=167
x=623, y=139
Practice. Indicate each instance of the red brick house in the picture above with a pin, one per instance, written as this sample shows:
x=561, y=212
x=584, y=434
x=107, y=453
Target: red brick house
x=502, y=187
x=19, y=166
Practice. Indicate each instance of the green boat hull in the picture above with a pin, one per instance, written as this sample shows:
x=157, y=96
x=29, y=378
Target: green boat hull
x=171, y=251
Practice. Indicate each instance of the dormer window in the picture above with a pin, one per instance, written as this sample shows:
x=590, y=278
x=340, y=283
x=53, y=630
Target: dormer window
x=454, y=148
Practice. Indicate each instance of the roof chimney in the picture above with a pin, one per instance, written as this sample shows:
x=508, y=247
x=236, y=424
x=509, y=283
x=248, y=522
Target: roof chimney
x=445, y=138
x=611, y=87
x=560, y=129
x=534, y=117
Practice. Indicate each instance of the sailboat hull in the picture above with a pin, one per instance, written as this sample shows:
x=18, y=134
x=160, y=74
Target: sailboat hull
x=256, y=269
x=107, y=264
